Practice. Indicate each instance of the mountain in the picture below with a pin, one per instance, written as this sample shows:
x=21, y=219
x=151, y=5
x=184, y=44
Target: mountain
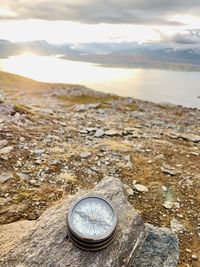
x=125, y=54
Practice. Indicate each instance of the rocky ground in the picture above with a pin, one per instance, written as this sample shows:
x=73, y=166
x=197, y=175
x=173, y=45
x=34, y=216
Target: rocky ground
x=56, y=139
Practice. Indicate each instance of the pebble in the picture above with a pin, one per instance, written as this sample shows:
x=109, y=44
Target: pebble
x=38, y=152
x=3, y=143
x=164, y=188
x=168, y=205
x=5, y=177
x=168, y=171
x=176, y=226
x=141, y=188
x=6, y=150
x=129, y=191
x=194, y=257
x=112, y=133
x=85, y=155
x=99, y=133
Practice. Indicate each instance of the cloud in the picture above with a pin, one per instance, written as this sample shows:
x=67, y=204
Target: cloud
x=103, y=11
x=188, y=37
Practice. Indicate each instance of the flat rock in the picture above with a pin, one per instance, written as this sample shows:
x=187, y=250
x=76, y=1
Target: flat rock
x=6, y=150
x=47, y=244
x=85, y=155
x=141, y=188
x=160, y=249
x=177, y=226
x=2, y=98
x=99, y=133
x=5, y=177
x=3, y=143
x=112, y=133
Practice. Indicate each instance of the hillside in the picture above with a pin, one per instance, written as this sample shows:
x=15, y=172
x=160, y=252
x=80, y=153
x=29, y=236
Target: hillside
x=56, y=139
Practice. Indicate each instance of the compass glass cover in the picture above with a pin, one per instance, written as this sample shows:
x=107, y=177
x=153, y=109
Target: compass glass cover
x=93, y=217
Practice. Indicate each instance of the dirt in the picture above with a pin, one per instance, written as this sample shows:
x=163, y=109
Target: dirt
x=48, y=127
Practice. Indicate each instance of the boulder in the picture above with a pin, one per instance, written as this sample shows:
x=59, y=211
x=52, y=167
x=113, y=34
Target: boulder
x=160, y=249
x=47, y=243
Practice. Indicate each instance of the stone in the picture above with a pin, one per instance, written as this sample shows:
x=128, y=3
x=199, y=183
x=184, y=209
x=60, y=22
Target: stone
x=38, y=152
x=5, y=177
x=85, y=155
x=129, y=191
x=168, y=205
x=99, y=133
x=3, y=143
x=2, y=98
x=164, y=188
x=194, y=257
x=160, y=249
x=112, y=133
x=141, y=188
x=47, y=244
x=168, y=171
x=6, y=150
x=176, y=226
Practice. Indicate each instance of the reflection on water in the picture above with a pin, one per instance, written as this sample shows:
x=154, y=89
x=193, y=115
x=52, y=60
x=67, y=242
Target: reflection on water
x=153, y=85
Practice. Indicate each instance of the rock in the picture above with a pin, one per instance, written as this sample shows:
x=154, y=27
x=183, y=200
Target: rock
x=164, y=188
x=38, y=152
x=3, y=143
x=160, y=249
x=2, y=98
x=23, y=176
x=168, y=205
x=194, y=257
x=47, y=244
x=191, y=137
x=112, y=133
x=13, y=232
x=129, y=191
x=99, y=133
x=85, y=155
x=5, y=177
x=6, y=150
x=176, y=226
x=168, y=171
x=141, y=188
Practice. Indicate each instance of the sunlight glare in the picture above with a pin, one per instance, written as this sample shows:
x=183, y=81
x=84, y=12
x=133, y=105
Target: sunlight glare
x=52, y=69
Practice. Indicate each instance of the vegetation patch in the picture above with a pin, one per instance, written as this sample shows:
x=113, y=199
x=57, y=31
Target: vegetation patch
x=88, y=99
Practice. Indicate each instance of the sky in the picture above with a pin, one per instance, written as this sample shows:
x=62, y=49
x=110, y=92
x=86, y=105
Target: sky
x=77, y=21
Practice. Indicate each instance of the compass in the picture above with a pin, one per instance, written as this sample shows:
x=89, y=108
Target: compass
x=92, y=223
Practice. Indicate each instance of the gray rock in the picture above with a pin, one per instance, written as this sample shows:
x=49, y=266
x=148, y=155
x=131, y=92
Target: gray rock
x=99, y=133
x=168, y=205
x=6, y=150
x=2, y=98
x=85, y=155
x=141, y=188
x=5, y=177
x=3, y=143
x=38, y=152
x=160, y=249
x=168, y=171
x=176, y=226
x=47, y=244
x=112, y=133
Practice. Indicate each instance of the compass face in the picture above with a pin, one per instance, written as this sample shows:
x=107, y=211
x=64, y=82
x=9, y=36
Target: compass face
x=92, y=218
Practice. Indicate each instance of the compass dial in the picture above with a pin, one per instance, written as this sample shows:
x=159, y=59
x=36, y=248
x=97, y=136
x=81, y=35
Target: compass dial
x=93, y=219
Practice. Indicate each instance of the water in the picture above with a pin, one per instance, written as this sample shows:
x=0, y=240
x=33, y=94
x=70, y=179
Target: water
x=160, y=86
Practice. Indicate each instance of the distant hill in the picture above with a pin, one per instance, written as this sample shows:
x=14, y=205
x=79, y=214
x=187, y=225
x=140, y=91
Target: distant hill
x=125, y=54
